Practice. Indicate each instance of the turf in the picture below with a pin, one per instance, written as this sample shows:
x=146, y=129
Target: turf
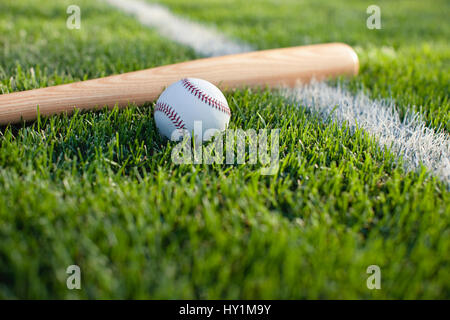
x=99, y=189
x=37, y=49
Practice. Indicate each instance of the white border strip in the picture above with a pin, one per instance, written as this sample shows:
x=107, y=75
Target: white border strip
x=410, y=138
x=205, y=41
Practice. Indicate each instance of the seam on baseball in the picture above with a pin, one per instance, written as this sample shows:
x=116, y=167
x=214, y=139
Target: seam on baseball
x=202, y=96
x=170, y=113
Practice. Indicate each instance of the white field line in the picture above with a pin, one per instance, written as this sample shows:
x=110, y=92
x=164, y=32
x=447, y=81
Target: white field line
x=205, y=41
x=410, y=138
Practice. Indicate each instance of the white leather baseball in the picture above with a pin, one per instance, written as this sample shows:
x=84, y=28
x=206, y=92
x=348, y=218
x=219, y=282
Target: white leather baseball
x=189, y=100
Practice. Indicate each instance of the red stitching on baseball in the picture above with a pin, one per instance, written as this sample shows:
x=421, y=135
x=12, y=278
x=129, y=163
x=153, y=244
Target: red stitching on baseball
x=204, y=97
x=171, y=114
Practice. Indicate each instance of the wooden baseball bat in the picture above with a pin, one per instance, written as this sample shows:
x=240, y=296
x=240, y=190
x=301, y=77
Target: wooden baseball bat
x=271, y=68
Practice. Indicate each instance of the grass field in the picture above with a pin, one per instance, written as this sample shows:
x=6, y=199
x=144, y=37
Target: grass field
x=99, y=189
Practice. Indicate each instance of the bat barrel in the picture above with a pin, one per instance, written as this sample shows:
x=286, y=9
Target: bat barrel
x=271, y=68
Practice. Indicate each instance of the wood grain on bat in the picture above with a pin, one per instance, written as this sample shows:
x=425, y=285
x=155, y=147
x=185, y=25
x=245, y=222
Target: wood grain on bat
x=270, y=68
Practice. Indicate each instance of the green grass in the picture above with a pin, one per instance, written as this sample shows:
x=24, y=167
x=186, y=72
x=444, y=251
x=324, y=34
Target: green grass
x=99, y=189
x=34, y=36
x=407, y=60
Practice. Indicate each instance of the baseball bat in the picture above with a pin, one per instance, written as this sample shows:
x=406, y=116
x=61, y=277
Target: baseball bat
x=267, y=68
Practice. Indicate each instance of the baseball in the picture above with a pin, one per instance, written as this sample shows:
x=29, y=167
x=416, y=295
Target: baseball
x=190, y=100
